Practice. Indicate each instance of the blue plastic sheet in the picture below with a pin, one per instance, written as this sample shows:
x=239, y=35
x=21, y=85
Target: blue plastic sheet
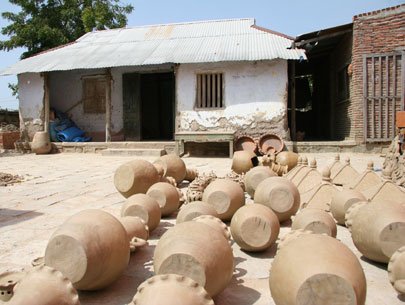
x=69, y=134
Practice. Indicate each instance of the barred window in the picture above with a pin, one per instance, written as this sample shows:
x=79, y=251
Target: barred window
x=94, y=90
x=210, y=90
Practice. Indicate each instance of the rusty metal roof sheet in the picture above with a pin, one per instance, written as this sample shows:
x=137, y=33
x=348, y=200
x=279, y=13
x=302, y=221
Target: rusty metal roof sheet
x=194, y=42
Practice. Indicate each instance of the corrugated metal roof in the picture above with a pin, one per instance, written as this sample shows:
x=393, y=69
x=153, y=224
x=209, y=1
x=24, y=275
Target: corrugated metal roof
x=194, y=42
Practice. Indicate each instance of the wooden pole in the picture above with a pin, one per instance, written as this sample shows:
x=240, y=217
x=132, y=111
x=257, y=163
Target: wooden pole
x=293, y=106
x=108, y=107
x=46, y=102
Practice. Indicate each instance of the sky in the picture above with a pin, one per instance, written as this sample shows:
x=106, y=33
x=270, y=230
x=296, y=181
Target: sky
x=291, y=17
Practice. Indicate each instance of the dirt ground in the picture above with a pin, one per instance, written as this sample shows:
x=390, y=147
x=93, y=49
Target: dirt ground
x=58, y=186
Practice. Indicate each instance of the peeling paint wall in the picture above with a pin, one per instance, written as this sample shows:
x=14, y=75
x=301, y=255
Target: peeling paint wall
x=255, y=98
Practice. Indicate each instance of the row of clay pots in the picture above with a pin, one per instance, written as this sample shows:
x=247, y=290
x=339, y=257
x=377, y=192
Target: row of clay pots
x=267, y=143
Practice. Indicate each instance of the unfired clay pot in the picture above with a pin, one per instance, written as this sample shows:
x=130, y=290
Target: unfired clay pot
x=288, y=158
x=91, y=248
x=315, y=220
x=242, y=161
x=194, y=209
x=256, y=175
x=226, y=196
x=317, y=270
x=174, y=166
x=342, y=201
x=198, y=251
x=255, y=227
x=41, y=143
x=166, y=196
x=144, y=207
x=134, y=177
x=215, y=223
x=396, y=270
x=171, y=289
x=280, y=195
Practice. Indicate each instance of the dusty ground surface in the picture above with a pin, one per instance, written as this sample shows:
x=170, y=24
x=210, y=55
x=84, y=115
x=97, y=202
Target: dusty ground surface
x=58, y=186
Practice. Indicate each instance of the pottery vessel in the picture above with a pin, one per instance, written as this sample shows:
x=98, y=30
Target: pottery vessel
x=135, y=227
x=174, y=166
x=256, y=175
x=315, y=220
x=290, y=236
x=396, y=270
x=41, y=143
x=270, y=143
x=243, y=161
x=166, y=195
x=215, y=223
x=342, y=201
x=191, y=174
x=194, y=209
x=246, y=143
x=287, y=158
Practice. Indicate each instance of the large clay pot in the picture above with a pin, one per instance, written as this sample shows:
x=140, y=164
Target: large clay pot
x=315, y=220
x=256, y=175
x=226, y=196
x=198, y=251
x=169, y=289
x=316, y=269
x=166, y=196
x=396, y=270
x=91, y=248
x=135, y=177
x=243, y=161
x=342, y=201
x=43, y=286
x=174, y=166
x=194, y=209
x=215, y=223
x=144, y=207
x=280, y=195
x=255, y=227
x=378, y=230
x=288, y=158
x=41, y=143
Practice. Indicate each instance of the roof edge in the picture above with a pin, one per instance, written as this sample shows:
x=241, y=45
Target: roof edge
x=260, y=28
x=376, y=12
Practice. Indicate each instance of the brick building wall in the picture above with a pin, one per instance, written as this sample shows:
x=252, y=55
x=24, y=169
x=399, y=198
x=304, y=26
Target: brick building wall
x=376, y=32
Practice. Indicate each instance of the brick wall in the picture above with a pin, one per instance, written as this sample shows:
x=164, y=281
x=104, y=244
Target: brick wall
x=373, y=33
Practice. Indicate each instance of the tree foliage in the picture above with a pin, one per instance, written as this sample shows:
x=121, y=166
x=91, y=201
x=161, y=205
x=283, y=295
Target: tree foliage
x=45, y=24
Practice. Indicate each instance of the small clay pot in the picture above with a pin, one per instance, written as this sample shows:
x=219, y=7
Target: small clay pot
x=342, y=201
x=226, y=196
x=287, y=158
x=243, y=161
x=396, y=270
x=194, y=209
x=166, y=196
x=174, y=166
x=270, y=143
x=41, y=143
x=215, y=223
x=255, y=227
x=256, y=175
x=315, y=220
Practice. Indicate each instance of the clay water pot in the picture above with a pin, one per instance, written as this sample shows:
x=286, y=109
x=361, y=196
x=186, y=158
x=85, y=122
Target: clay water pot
x=342, y=201
x=287, y=158
x=270, y=143
x=243, y=161
x=245, y=143
x=315, y=220
x=191, y=174
x=396, y=270
x=174, y=166
x=280, y=195
x=135, y=177
x=255, y=227
x=226, y=196
x=166, y=195
x=317, y=269
x=256, y=175
x=91, y=248
x=135, y=227
x=144, y=207
x=41, y=143
x=194, y=209
x=215, y=223
x=169, y=289
x=198, y=251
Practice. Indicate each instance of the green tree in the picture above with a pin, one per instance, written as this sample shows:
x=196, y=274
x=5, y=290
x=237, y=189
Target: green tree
x=45, y=24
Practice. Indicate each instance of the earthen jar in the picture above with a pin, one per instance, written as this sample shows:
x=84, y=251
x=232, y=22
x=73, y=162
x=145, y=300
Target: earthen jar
x=255, y=227
x=144, y=207
x=135, y=227
x=226, y=196
x=43, y=286
x=166, y=196
x=169, y=289
x=378, y=230
x=342, y=201
x=174, y=166
x=351, y=212
x=396, y=270
x=215, y=223
x=191, y=174
x=41, y=143
x=288, y=158
x=194, y=209
x=256, y=175
x=280, y=195
x=198, y=251
x=242, y=161
x=315, y=220
x=290, y=236
x=91, y=248
x=135, y=177
x=317, y=270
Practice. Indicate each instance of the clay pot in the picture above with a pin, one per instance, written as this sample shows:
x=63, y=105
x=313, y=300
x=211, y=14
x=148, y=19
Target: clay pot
x=191, y=174
x=290, y=236
x=91, y=248
x=174, y=166
x=287, y=158
x=168, y=289
x=144, y=207
x=135, y=177
x=198, y=251
x=194, y=209
x=43, y=286
x=378, y=230
x=256, y=175
x=280, y=195
x=135, y=227
x=226, y=196
x=41, y=143
x=315, y=220
x=342, y=201
x=316, y=269
x=396, y=270
x=351, y=212
x=215, y=223
x=166, y=196
x=245, y=143
x=243, y=161
x=270, y=143
x=8, y=280
x=255, y=227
